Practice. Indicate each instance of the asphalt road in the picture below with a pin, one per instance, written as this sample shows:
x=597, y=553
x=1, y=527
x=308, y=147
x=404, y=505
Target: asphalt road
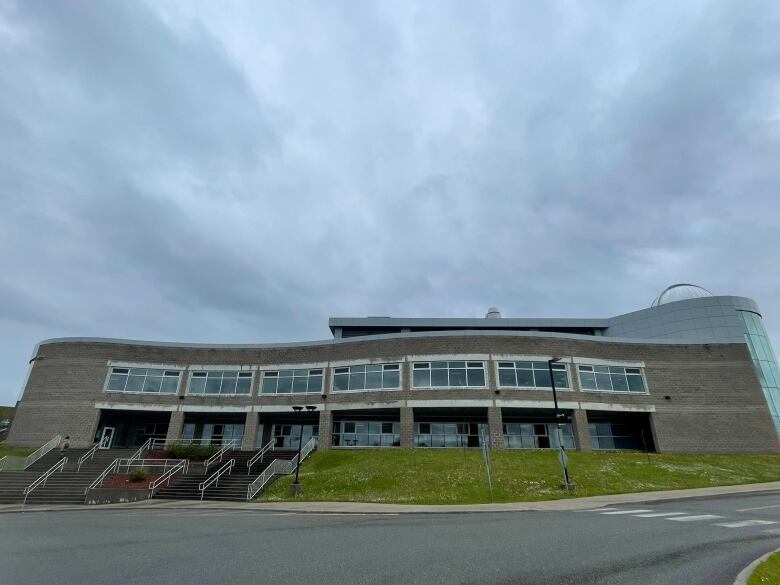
x=688, y=542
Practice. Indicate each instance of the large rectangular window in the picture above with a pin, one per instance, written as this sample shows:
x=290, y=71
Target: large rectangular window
x=366, y=433
x=611, y=379
x=449, y=434
x=537, y=436
x=531, y=375
x=302, y=381
x=144, y=380
x=368, y=377
x=223, y=382
x=450, y=374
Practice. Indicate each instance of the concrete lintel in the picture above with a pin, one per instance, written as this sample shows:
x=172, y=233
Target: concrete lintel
x=586, y=361
x=136, y=406
x=617, y=407
x=203, y=408
x=365, y=405
x=449, y=403
x=548, y=404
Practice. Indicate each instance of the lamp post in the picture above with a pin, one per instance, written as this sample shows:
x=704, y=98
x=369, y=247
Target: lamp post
x=563, y=459
x=295, y=487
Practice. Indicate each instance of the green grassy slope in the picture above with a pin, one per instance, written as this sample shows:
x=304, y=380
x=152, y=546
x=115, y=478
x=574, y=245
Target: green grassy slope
x=458, y=477
x=768, y=572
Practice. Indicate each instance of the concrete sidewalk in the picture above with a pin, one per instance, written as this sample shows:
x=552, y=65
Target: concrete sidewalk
x=369, y=508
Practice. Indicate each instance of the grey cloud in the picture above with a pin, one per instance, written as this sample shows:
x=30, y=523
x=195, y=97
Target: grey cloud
x=240, y=172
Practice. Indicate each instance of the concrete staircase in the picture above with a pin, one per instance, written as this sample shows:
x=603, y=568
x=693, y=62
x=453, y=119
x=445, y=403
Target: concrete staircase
x=63, y=487
x=231, y=487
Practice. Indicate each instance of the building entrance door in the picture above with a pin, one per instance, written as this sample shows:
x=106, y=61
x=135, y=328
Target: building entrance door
x=107, y=438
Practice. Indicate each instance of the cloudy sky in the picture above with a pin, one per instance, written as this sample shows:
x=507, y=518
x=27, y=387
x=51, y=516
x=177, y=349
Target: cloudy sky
x=239, y=172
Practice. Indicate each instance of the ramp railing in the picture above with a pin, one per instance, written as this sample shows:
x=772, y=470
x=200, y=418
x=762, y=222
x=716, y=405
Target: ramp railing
x=279, y=467
x=42, y=450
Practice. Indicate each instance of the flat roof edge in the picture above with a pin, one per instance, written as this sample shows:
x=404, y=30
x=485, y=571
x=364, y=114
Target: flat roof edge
x=389, y=336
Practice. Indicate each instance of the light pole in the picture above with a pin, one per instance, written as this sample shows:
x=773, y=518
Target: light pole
x=295, y=487
x=563, y=459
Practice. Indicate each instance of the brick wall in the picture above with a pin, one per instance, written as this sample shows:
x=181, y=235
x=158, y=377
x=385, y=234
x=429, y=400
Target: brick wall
x=715, y=402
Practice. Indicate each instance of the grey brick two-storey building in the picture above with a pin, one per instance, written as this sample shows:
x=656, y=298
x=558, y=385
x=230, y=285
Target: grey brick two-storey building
x=692, y=373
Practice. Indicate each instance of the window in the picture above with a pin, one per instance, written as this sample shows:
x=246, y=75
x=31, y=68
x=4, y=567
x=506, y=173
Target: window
x=288, y=436
x=369, y=377
x=448, y=374
x=532, y=375
x=226, y=383
x=449, y=434
x=537, y=436
x=611, y=379
x=614, y=436
x=366, y=433
x=293, y=382
x=144, y=380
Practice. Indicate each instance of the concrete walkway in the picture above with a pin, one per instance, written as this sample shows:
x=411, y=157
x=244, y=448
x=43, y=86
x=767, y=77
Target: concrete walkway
x=369, y=508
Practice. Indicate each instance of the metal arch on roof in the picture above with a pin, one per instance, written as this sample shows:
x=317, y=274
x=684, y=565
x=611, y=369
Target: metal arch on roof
x=695, y=289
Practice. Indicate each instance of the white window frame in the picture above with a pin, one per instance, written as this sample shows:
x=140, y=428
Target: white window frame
x=265, y=374
x=631, y=366
x=383, y=364
x=429, y=361
x=113, y=366
x=223, y=369
x=542, y=388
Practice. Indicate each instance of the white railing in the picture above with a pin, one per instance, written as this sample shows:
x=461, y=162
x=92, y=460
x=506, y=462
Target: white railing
x=42, y=479
x=141, y=449
x=214, y=479
x=218, y=455
x=112, y=467
x=3, y=459
x=42, y=450
x=259, y=455
x=91, y=453
x=279, y=467
x=181, y=467
x=117, y=464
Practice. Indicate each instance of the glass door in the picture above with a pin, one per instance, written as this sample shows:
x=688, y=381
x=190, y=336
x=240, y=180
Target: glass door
x=107, y=438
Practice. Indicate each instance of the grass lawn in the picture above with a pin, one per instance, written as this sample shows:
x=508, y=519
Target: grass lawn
x=18, y=451
x=768, y=572
x=421, y=476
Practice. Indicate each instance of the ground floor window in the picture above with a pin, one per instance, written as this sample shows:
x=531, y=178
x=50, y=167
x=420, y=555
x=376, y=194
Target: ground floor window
x=537, y=436
x=449, y=434
x=614, y=436
x=365, y=433
x=212, y=433
x=288, y=436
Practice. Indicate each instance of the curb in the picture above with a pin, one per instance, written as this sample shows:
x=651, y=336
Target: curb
x=747, y=572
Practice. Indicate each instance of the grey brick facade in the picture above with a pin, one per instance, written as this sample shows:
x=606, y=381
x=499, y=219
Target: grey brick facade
x=701, y=397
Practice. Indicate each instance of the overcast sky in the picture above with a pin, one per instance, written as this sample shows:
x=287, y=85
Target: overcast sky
x=239, y=172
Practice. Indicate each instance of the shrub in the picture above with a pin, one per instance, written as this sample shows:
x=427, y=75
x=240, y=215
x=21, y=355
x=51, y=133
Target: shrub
x=193, y=452
x=138, y=474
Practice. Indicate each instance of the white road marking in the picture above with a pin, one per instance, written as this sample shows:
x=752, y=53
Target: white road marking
x=746, y=523
x=625, y=512
x=759, y=508
x=694, y=518
x=660, y=514
x=597, y=510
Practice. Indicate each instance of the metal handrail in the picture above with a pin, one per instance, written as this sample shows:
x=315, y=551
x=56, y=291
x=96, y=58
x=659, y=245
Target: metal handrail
x=218, y=455
x=91, y=453
x=42, y=450
x=214, y=478
x=99, y=481
x=141, y=449
x=279, y=467
x=3, y=459
x=128, y=463
x=42, y=479
x=183, y=466
x=259, y=455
